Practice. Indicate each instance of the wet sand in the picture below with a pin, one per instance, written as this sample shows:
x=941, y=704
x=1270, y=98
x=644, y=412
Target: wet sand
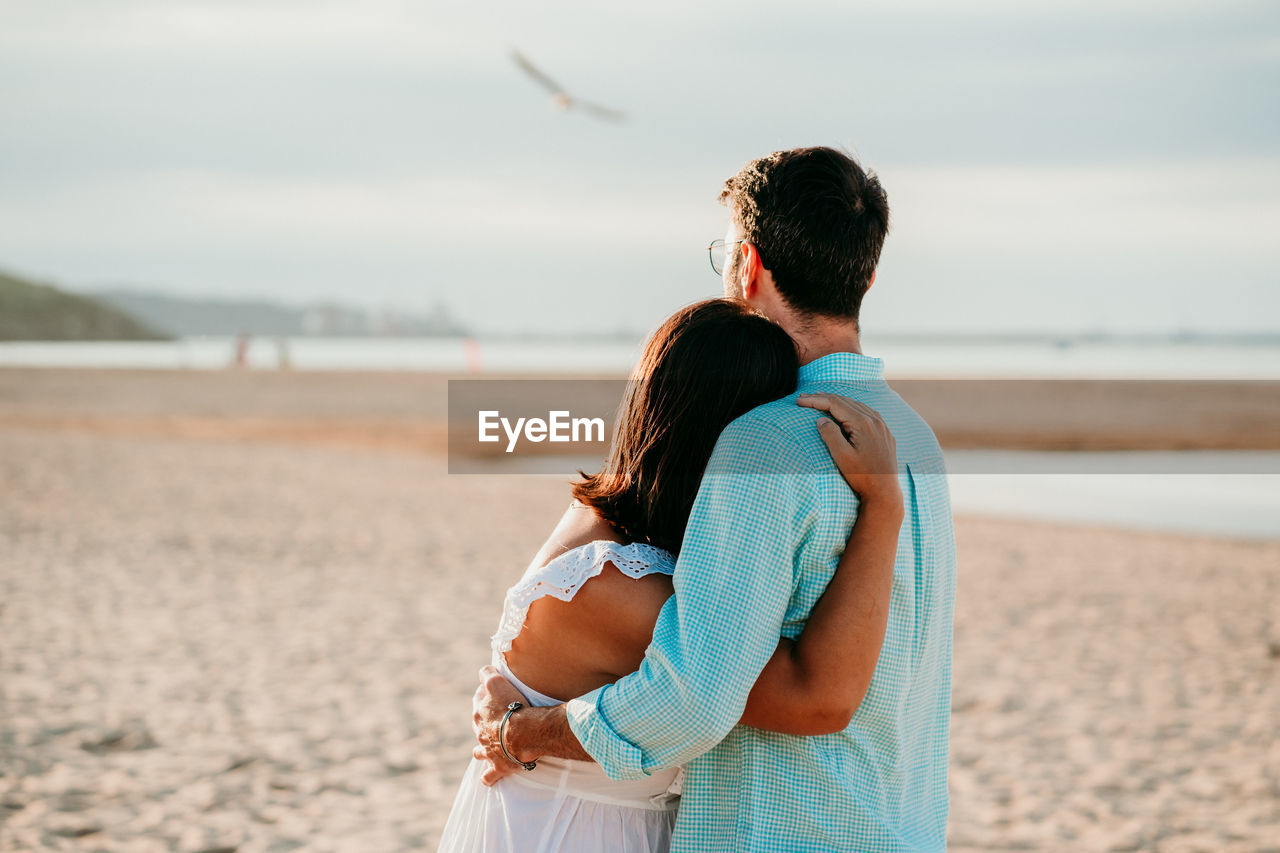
x=409, y=410
x=260, y=642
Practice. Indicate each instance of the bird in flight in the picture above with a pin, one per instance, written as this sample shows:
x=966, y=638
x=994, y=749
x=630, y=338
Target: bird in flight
x=562, y=99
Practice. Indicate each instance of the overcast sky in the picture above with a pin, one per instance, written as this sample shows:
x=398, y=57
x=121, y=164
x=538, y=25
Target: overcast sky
x=1082, y=165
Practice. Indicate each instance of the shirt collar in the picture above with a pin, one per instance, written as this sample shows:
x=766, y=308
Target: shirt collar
x=843, y=367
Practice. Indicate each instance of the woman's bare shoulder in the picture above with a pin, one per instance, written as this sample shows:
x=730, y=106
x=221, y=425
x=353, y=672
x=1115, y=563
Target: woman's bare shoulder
x=612, y=611
x=579, y=525
x=623, y=609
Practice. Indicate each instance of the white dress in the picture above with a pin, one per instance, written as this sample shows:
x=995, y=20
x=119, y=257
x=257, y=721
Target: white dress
x=564, y=805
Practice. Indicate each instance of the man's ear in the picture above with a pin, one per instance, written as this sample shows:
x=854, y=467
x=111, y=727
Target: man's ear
x=873, y=279
x=749, y=272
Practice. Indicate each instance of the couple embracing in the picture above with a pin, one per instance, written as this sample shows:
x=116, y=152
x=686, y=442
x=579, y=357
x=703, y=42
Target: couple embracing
x=738, y=636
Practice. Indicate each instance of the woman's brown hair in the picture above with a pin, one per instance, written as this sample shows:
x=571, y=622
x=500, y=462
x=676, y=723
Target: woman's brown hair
x=703, y=367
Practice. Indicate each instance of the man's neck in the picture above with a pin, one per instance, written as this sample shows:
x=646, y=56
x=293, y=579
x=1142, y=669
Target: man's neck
x=818, y=337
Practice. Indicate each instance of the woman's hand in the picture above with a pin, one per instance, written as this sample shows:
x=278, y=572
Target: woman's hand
x=861, y=445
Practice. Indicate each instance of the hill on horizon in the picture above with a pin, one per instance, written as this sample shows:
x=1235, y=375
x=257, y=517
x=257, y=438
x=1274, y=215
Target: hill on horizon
x=190, y=316
x=31, y=311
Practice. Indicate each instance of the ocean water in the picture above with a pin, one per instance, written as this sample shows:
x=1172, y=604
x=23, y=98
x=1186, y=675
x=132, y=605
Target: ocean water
x=448, y=355
x=1233, y=493
x=1237, y=506
x=904, y=358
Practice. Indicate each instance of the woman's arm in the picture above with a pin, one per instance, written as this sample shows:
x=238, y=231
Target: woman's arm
x=814, y=685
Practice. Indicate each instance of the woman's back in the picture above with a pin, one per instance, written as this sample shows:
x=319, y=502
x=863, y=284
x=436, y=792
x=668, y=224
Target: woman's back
x=592, y=602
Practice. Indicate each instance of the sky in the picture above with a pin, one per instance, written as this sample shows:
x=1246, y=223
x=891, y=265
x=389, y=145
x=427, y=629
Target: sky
x=1093, y=165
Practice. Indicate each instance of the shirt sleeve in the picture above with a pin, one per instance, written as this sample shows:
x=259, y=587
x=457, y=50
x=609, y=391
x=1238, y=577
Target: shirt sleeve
x=733, y=581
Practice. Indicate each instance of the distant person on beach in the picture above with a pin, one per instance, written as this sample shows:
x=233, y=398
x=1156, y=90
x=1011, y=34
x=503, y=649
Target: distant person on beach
x=762, y=541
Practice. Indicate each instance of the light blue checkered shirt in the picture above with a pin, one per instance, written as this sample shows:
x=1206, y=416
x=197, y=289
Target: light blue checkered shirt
x=770, y=522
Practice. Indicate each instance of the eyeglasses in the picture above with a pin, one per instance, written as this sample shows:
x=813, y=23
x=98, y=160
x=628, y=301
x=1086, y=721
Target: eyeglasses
x=717, y=251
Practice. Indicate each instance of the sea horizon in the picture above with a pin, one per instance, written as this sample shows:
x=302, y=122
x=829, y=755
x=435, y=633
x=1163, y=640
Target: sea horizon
x=1084, y=356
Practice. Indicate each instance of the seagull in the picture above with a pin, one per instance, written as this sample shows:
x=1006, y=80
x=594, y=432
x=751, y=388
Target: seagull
x=562, y=99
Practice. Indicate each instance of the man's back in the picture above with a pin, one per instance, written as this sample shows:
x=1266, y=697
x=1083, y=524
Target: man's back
x=764, y=536
x=881, y=784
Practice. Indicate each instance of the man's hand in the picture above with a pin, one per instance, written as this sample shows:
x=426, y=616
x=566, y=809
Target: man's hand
x=532, y=733
x=489, y=706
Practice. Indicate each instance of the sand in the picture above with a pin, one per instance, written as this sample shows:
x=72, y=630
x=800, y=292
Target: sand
x=259, y=642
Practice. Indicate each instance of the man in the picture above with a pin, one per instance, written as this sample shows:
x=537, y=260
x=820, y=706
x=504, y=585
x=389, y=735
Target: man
x=763, y=539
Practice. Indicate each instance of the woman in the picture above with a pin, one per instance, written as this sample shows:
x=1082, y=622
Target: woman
x=583, y=614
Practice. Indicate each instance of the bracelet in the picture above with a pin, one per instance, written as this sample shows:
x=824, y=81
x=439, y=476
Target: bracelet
x=502, y=739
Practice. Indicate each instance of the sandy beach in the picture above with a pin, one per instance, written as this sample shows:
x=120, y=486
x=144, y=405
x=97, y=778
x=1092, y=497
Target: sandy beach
x=243, y=612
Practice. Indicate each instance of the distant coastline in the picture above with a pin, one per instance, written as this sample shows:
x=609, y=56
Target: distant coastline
x=40, y=311
x=185, y=316
x=35, y=311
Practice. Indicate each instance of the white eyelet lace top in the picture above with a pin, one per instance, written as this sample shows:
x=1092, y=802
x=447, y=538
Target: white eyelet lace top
x=563, y=576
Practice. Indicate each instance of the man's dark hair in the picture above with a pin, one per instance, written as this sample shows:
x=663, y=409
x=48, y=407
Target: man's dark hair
x=818, y=220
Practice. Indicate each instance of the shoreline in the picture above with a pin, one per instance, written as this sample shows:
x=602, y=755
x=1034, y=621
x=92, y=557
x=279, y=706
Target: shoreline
x=408, y=411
